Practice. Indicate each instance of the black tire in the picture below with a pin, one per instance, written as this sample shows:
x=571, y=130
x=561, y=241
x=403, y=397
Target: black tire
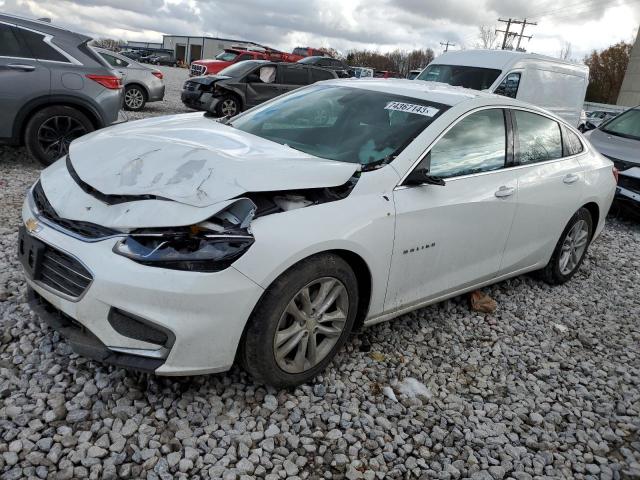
x=552, y=273
x=135, y=98
x=221, y=106
x=47, y=143
x=257, y=351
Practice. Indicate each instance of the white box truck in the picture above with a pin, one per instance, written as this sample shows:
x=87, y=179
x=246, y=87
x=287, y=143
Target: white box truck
x=551, y=83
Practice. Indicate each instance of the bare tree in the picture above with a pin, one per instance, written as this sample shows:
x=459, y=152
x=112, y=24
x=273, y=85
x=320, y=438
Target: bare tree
x=565, y=51
x=108, y=43
x=400, y=61
x=487, y=37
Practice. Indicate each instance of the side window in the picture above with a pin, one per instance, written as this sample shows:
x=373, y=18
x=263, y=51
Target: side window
x=571, y=144
x=114, y=61
x=9, y=44
x=39, y=49
x=318, y=75
x=244, y=56
x=475, y=144
x=294, y=75
x=539, y=138
x=509, y=86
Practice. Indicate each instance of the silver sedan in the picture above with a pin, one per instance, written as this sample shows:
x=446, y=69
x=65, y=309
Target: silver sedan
x=141, y=83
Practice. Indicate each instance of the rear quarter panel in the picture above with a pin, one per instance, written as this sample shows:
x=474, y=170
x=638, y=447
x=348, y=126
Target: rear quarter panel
x=600, y=184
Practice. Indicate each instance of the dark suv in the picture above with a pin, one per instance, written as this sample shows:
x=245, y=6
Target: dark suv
x=247, y=84
x=53, y=88
x=341, y=68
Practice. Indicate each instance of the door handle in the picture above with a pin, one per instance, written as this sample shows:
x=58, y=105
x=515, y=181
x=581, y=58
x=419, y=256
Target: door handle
x=21, y=66
x=571, y=178
x=505, y=191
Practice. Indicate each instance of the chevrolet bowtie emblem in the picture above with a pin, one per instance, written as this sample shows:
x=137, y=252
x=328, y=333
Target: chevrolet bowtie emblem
x=32, y=225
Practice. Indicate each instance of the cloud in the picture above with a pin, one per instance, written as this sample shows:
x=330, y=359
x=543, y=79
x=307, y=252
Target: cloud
x=343, y=24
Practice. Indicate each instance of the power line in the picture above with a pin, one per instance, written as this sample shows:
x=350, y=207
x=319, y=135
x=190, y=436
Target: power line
x=508, y=34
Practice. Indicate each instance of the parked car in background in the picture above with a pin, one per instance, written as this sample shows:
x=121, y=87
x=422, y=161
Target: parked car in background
x=141, y=84
x=361, y=72
x=413, y=74
x=247, y=84
x=161, y=58
x=551, y=83
x=341, y=68
x=134, y=54
x=53, y=87
x=386, y=74
x=594, y=119
x=618, y=139
x=241, y=53
x=268, y=238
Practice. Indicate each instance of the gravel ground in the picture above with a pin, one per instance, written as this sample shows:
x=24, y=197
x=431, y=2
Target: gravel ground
x=546, y=387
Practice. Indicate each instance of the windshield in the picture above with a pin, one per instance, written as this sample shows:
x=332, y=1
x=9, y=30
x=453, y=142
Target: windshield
x=237, y=69
x=342, y=123
x=226, y=56
x=475, y=78
x=625, y=125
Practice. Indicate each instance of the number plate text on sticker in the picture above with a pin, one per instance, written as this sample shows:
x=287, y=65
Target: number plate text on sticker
x=412, y=108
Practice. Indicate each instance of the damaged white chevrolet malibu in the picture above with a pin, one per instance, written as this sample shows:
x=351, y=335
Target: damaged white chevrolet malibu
x=179, y=245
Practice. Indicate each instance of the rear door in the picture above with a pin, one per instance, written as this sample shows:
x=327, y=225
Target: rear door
x=22, y=77
x=292, y=76
x=550, y=185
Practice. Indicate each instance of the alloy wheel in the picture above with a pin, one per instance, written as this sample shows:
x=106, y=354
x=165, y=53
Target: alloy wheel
x=573, y=247
x=56, y=134
x=133, y=98
x=311, y=325
x=229, y=107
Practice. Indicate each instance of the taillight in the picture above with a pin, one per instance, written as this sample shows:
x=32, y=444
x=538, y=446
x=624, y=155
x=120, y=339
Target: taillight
x=107, y=81
x=158, y=74
x=616, y=173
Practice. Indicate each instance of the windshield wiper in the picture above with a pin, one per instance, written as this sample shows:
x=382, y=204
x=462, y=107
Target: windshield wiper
x=378, y=163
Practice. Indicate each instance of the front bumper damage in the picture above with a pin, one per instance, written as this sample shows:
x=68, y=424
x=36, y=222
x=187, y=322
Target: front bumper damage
x=141, y=317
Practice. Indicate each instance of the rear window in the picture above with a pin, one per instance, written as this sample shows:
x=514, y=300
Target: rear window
x=39, y=49
x=539, y=138
x=476, y=78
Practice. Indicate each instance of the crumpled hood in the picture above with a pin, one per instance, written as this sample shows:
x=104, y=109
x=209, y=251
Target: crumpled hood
x=196, y=161
x=208, y=79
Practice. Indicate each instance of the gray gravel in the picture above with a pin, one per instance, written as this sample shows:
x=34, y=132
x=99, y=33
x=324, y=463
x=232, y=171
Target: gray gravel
x=546, y=387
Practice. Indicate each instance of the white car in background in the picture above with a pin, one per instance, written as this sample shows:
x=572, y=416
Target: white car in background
x=181, y=244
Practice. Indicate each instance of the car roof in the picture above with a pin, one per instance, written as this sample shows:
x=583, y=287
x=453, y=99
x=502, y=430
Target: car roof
x=499, y=59
x=44, y=27
x=432, y=91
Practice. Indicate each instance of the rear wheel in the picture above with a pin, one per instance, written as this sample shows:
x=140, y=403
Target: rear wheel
x=51, y=130
x=301, y=322
x=570, y=249
x=135, y=98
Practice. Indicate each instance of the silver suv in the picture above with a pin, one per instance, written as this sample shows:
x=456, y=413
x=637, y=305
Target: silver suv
x=53, y=87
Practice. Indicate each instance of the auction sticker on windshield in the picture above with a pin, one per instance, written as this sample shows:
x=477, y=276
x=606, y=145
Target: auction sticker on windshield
x=412, y=108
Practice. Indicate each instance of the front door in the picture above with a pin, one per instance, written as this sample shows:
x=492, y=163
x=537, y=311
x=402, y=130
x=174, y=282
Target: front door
x=453, y=236
x=262, y=85
x=22, y=77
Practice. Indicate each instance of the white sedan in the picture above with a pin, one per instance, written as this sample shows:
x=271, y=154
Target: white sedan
x=182, y=244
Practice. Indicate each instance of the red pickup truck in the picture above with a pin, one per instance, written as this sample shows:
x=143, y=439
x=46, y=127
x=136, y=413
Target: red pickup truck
x=237, y=54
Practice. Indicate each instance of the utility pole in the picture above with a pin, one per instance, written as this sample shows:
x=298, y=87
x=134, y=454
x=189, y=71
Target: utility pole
x=447, y=45
x=508, y=33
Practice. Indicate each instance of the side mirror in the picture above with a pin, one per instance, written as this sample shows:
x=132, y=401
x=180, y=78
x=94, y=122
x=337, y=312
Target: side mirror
x=420, y=176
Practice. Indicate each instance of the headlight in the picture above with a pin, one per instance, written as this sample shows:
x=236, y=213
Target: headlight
x=187, y=250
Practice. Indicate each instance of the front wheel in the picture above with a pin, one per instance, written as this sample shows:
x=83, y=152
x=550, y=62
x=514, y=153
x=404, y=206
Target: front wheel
x=228, y=107
x=570, y=249
x=301, y=322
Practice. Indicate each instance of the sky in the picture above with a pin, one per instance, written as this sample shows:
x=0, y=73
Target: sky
x=382, y=25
